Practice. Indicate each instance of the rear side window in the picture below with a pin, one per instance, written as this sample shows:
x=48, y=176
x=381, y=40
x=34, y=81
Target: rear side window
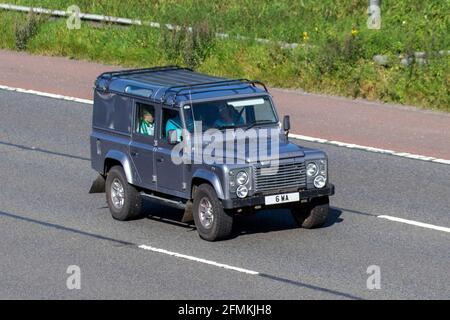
x=112, y=112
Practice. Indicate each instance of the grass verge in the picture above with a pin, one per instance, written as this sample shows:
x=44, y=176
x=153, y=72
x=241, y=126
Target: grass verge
x=337, y=57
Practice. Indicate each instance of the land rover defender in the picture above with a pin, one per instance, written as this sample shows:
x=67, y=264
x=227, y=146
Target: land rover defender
x=152, y=131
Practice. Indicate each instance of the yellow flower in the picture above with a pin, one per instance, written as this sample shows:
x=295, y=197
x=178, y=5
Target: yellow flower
x=354, y=32
x=305, y=36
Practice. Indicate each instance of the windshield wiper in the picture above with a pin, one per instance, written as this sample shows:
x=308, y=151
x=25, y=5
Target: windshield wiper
x=259, y=122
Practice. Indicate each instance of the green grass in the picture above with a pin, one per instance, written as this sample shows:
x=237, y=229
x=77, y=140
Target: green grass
x=336, y=63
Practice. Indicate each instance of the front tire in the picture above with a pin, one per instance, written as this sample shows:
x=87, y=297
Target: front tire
x=212, y=221
x=314, y=214
x=124, y=201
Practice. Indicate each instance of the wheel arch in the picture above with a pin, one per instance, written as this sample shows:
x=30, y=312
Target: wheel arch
x=113, y=158
x=204, y=176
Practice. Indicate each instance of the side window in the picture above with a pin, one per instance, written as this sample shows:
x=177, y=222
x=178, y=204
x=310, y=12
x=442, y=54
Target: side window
x=263, y=112
x=145, y=119
x=170, y=121
x=112, y=112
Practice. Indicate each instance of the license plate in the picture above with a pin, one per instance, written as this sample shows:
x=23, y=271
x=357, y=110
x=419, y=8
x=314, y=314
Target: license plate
x=282, y=198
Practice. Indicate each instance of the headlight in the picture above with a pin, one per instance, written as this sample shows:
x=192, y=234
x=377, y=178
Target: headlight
x=319, y=182
x=311, y=169
x=241, y=177
x=242, y=191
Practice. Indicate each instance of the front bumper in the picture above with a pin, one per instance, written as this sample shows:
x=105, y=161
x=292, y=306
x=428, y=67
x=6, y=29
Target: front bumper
x=260, y=200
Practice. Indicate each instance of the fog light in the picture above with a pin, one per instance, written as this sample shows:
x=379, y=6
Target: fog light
x=242, y=191
x=319, y=182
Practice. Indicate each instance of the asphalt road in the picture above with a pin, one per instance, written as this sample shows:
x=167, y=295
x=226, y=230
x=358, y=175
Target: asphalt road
x=48, y=221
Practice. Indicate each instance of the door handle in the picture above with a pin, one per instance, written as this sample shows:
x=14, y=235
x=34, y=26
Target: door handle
x=134, y=153
x=160, y=160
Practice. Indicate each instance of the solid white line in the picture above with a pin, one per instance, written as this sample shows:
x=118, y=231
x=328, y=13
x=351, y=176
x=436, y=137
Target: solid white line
x=443, y=161
x=292, y=135
x=191, y=258
x=415, y=223
x=47, y=95
x=370, y=149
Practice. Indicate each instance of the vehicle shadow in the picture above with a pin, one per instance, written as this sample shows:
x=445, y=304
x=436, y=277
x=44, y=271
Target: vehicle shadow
x=333, y=217
x=165, y=214
x=274, y=220
x=263, y=221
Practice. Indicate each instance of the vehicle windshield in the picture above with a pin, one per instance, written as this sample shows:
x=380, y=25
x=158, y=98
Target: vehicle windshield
x=228, y=114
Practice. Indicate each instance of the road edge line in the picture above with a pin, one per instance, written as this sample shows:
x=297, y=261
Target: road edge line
x=370, y=149
x=47, y=95
x=415, y=223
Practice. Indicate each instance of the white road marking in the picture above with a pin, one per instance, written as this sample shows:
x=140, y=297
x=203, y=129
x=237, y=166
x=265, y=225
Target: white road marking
x=47, y=95
x=191, y=258
x=292, y=135
x=442, y=161
x=370, y=149
x=415, y=223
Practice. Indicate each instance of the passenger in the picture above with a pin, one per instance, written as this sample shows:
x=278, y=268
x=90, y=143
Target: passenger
x=174, y=124
x=147, y=124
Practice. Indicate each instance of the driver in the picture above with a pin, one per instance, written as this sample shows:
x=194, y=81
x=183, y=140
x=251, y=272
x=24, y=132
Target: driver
x=228, y=117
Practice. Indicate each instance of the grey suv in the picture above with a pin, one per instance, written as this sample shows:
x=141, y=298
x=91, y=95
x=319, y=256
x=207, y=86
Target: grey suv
x=141, y=119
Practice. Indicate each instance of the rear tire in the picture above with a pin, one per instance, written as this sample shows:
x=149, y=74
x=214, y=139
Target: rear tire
x=124, y=201
x=313, y=214
x=212, y=221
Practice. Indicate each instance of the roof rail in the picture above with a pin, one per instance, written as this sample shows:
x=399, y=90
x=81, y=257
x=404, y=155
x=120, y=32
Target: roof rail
x=177, y=90
x=138, y=71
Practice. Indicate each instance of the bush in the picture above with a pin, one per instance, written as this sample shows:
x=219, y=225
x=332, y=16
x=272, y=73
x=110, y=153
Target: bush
x=337, y=52
x=192, y=46
x=25, y=30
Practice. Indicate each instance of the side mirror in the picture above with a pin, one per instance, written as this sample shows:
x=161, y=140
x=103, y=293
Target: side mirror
x=174, y=136
x=286, y=125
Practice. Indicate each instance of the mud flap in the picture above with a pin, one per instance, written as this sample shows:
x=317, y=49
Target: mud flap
x=98, y=186
x=188, y=212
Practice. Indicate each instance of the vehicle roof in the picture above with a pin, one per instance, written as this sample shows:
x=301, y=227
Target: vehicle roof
x=173, y=84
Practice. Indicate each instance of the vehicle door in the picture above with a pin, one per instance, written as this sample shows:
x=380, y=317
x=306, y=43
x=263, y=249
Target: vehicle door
x=142, y=146
x=170, y=175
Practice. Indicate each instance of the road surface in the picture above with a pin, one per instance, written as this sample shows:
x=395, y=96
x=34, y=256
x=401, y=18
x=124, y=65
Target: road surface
x=48, y=222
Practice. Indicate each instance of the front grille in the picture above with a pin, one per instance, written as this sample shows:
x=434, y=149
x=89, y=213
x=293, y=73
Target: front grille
x=285, y=176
